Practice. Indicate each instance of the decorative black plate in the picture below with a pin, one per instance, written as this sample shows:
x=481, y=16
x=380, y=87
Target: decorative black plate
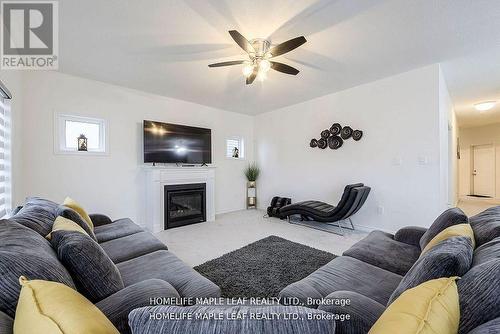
x=322, y=144
x=335, y=129
x=357, y=135
x=335, y=142
x=313, y=143
x=325, y=134
x=346, y=132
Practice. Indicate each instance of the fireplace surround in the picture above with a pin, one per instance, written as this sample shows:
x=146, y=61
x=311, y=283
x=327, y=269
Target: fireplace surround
x=184, y=204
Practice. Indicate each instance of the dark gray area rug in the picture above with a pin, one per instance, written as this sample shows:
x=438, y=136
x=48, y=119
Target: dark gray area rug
x=263, y=268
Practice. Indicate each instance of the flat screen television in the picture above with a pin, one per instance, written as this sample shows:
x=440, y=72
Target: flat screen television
x=173, y=143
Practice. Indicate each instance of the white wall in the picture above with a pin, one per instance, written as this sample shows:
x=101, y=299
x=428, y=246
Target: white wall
x=114, y=184
x=399, y=155
x=483, y=135
x=448, y=135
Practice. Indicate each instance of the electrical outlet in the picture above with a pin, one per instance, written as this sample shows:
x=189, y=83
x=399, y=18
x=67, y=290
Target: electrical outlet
x=380, y=210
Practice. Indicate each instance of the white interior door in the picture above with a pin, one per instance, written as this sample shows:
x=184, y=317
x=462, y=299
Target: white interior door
x=483, y=170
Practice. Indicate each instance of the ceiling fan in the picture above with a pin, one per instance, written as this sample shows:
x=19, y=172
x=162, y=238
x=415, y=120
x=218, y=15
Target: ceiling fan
x=260, y=52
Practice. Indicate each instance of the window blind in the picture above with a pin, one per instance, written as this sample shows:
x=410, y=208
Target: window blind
x=5, y=158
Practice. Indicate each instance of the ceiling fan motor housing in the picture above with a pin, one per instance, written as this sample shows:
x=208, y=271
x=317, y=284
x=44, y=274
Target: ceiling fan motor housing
x=261, y=47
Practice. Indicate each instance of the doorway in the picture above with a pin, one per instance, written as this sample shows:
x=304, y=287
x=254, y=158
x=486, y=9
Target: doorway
x=483, y=170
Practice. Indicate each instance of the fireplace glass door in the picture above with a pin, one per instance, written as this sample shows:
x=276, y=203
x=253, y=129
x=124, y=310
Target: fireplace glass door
x=185, y=204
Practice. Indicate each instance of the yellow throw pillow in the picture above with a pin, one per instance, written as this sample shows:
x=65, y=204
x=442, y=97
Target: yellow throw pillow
x=459, y=230
x=54, y=308
x=72, y=204
x=65, y=224
x=429, y=308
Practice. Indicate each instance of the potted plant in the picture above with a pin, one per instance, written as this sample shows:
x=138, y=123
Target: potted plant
x=252, y=172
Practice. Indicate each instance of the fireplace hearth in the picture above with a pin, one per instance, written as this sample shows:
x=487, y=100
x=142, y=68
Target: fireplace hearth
x=184, y=204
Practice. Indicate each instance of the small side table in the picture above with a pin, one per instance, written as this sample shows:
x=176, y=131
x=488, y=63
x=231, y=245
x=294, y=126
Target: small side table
x=251, y=195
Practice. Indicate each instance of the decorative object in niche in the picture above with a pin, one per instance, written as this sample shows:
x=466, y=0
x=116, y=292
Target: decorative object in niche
x=357, y=135
x=82, y=143
x=335, y=137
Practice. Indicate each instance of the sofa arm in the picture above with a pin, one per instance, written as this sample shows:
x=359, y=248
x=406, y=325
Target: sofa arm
x=117, y=306
x=6, y=324
x=410, y=235
x=362, y=311
x=99, y=219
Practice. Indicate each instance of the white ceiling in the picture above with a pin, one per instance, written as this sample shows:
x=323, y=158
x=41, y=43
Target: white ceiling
x=164, y=46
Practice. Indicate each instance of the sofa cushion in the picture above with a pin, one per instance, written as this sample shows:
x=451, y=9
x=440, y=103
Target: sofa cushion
x=478, y=290
x=117, y=229
x=486, y=225
x=168, y=267
x=451, y=257
x=117, y=306
x=381, y=250
x=486, y=252
x=430, y=308
x=448, y=218
x=38, y=214
x=95, y=275
x=345, y=273
x=131, y=246
x=307, y=321
x=74, y=216
x=72, y=204
x=50, y=307
x=491, y=327
x=24, y=252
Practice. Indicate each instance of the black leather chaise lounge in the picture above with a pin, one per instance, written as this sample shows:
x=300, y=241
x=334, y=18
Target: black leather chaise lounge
x=352, y=200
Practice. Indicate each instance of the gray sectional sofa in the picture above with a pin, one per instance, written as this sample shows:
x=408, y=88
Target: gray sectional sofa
x=374, y=271
x=148, y=269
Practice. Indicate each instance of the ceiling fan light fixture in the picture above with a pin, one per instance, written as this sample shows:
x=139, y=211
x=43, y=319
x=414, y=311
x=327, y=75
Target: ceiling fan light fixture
x=247, y=70
x=264, y=65
x=484, y=106
x=261, y=76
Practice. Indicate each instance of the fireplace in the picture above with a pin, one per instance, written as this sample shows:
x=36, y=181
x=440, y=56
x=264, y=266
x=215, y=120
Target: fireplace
x=184, y=204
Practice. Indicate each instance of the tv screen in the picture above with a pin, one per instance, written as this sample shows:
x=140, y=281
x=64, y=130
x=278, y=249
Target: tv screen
x=173, y=143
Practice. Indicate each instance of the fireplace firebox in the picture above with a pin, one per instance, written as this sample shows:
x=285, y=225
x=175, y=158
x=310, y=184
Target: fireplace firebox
x=184, y=204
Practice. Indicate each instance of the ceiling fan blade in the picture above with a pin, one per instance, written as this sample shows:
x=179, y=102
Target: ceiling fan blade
x=251, y=77
x=287, y=46
x=284, y=68
x=241, y=41
x=227, y=63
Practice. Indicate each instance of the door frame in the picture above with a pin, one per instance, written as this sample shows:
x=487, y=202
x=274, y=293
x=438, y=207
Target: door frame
x=471, y=192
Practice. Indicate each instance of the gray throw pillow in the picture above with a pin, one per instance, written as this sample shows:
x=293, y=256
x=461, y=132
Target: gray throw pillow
x=95, y=275
x=491, y=327
x=486, y=252
x=38, y=214
x=451, y=257
x=24, y=252
x=450, y=217
x=478, y=291
x=74, y=216
x=486, y=225
x=309, y=320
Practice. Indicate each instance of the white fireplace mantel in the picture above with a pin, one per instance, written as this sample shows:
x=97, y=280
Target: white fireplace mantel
x=157, y=177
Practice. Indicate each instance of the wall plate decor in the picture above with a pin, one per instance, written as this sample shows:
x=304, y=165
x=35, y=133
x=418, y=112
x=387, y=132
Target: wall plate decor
x=357, y=135
x=346, y=132
x=322, y=144
x=335, y=142
x=335, y=129
x=335, y=136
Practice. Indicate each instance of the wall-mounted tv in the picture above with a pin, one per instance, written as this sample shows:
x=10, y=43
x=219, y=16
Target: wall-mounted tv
x=173, y=143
